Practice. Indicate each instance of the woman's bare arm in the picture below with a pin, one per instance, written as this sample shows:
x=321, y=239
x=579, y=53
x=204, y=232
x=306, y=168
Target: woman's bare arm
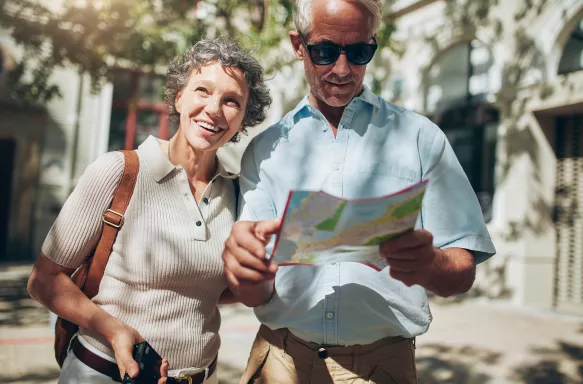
x=51, y=285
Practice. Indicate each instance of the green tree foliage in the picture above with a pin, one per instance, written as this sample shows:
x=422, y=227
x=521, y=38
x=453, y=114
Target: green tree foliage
x=96, y=36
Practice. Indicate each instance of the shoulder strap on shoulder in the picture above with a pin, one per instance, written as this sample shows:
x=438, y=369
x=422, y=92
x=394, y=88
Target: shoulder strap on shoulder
x=113, y=220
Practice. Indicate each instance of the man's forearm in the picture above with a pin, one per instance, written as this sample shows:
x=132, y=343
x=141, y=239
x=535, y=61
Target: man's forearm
x=453, y=272
x=253, y=296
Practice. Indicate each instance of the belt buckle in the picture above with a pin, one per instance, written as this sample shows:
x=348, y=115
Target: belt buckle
x=182, y=378
x=189, y=378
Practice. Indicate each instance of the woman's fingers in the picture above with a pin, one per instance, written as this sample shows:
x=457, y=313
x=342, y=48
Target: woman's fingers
x=164, y=372
x=123, y=346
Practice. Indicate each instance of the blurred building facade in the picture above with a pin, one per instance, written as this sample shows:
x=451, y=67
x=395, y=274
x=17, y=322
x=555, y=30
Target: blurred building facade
x=44, y=149
x=504, y=80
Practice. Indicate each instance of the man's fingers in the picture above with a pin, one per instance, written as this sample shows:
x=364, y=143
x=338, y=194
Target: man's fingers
x=264, y=229
x=421, y=254
x=252, y=269
x=248, y=274
x=235, y=254
x=408, y=265
x=412, y=239
x=406, y=278
x=244, y=236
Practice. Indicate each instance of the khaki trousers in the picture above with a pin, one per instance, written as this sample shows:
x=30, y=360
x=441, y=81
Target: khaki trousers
x=279, y=357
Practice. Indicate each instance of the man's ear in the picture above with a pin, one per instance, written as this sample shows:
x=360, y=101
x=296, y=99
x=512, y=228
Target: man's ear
x=177, y=101
x=294, y=37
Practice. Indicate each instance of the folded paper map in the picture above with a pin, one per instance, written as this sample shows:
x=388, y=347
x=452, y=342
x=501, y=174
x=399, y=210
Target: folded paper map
x=319, y=228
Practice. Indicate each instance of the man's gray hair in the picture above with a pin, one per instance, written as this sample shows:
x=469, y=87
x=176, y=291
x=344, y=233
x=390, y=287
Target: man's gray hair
x=227, y=53
x=303, y=14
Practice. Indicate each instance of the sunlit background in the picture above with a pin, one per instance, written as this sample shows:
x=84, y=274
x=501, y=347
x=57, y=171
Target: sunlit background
x=502, y=79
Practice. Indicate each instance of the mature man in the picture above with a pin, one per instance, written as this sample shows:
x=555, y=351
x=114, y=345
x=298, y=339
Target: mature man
x=345, y=322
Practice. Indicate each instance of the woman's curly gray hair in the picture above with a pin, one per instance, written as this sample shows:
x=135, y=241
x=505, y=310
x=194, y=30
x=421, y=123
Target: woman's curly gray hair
x=229, y=54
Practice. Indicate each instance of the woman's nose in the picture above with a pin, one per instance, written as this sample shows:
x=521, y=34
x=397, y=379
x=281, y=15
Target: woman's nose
x=213, y=107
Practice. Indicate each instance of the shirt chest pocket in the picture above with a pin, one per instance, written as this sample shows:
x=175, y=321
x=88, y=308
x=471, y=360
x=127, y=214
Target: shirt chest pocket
x=394, y=169
x=379, y=154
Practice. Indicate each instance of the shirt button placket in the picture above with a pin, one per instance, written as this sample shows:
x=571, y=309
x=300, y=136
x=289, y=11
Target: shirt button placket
x=330, y=305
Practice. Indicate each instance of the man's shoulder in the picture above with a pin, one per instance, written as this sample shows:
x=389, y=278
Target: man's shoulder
x=270, y=137
x=405, y=115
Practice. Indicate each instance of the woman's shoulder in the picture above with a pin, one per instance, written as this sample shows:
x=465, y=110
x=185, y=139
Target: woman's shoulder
x=107, y=168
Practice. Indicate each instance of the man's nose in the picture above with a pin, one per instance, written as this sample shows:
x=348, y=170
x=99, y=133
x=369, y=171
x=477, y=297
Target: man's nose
x=341, y=66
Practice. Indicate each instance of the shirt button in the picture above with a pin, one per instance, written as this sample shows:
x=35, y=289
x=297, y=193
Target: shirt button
x=205, y=200
x=330, y=315
x=198, y=223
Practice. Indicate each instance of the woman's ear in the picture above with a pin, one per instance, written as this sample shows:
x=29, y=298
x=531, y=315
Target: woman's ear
x=177, y=101
x=294, y=37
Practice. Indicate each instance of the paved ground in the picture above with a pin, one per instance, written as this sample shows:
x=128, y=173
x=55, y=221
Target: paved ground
x=471, y=341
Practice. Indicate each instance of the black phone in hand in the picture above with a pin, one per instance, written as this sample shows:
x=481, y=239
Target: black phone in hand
x=149, y=362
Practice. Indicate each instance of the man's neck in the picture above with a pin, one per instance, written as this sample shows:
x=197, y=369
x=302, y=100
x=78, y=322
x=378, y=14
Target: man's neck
x=332, y=114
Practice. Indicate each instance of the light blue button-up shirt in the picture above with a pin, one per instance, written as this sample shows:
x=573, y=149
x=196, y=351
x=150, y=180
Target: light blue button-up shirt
x=379, y=149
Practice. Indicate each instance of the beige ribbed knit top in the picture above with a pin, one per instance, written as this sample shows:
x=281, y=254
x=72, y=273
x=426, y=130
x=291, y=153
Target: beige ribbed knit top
x=165, y=273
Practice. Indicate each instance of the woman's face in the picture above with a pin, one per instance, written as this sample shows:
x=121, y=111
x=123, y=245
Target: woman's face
x=212, y=106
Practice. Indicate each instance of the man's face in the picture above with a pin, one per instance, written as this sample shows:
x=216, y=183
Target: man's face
x=342, y=23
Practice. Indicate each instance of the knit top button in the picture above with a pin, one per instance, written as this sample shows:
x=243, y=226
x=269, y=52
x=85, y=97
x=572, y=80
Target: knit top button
x=205, y=200
x=198, y=223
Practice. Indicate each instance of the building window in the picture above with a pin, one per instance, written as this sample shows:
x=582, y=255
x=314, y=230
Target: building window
x=138, y=110
x=572, y=59
x=455, y=92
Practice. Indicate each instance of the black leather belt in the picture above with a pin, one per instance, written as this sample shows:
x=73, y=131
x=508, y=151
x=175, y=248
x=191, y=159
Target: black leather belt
x=111, y=370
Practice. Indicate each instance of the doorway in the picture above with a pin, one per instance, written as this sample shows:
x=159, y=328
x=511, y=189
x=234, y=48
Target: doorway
x=568, y=215
x=7, y=154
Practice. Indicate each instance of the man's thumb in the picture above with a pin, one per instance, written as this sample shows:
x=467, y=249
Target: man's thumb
x=264, y=229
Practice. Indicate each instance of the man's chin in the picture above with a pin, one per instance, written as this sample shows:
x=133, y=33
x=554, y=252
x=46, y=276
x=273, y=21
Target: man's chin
x=338, y=101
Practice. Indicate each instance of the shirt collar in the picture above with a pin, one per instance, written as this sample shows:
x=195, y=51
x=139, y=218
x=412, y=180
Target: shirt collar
x=366, y=95
x=369, y=97
x=156, y=160
x=222, y=171
x=159, y=165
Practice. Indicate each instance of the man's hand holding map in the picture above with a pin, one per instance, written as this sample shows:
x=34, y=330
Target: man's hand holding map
x=318, y=228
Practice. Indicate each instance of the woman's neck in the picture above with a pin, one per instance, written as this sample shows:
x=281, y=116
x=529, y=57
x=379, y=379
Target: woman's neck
x=200, y=166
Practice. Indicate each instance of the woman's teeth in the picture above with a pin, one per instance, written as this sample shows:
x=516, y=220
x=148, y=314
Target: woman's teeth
x=208, y=126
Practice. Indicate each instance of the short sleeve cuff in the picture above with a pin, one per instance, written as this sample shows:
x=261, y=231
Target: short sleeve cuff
x=482, y=248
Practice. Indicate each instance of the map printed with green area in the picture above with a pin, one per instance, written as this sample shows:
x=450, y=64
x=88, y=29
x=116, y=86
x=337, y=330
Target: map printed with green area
x=319, y=228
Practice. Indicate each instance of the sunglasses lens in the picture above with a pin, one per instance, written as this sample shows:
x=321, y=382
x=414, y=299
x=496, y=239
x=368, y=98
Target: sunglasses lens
x=360, y=54
x=323, y=54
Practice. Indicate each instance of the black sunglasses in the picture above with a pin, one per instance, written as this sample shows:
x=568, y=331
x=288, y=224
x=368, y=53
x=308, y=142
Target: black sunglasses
x=328, y=53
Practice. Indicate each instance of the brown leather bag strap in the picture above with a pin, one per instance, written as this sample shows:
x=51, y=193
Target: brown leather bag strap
x=113, y=219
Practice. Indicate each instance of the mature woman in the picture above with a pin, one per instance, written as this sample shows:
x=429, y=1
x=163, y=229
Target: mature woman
x=164, y=277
